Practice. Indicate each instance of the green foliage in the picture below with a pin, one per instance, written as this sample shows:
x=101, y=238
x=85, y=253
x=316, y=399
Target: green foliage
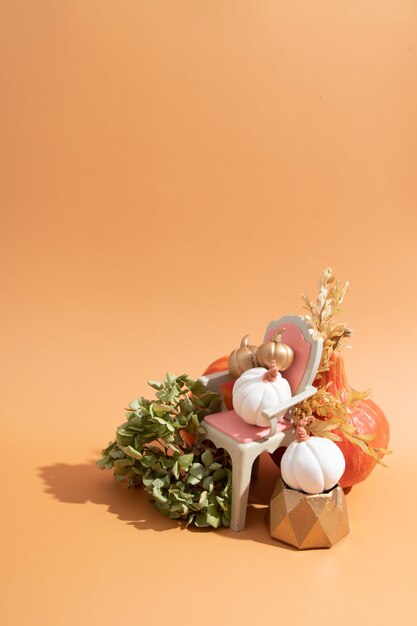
x=160, y=446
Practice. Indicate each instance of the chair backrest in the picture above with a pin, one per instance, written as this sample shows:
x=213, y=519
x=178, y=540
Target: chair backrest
x=297, y=334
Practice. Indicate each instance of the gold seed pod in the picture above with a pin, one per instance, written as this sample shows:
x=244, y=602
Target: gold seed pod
x=243, y=358
x=277, y=351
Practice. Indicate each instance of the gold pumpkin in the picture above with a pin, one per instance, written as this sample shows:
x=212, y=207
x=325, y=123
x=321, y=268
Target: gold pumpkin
x=243, y=358
x=277, y=351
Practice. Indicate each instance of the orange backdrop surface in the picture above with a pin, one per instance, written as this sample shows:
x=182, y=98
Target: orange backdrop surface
x=173, y=176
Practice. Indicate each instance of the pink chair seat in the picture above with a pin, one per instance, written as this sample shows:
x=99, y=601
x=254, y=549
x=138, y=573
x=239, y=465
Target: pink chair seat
x=229, y=423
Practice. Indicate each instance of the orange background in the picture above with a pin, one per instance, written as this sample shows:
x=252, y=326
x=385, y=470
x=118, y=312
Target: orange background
x=173, y=176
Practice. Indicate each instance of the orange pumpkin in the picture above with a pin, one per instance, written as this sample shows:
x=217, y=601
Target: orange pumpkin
x=226, y=389
x=219, y=365
x=366, y=417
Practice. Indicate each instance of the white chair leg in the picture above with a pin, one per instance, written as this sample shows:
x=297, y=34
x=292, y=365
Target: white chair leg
x=241, y=475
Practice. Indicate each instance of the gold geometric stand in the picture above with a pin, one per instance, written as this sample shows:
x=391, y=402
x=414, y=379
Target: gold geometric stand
x=308, y=521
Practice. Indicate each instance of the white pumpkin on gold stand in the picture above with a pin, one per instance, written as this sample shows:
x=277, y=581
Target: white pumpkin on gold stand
x=312, y=464
x=308, y=508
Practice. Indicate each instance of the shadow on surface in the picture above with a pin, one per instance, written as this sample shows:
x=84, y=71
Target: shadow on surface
x=257, y=527
x=78, y=484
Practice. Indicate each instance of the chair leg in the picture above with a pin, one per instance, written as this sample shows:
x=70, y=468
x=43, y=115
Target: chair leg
x=241, y=475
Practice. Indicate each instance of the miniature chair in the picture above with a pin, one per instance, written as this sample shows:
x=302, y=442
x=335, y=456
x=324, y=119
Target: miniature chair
x=245, y=442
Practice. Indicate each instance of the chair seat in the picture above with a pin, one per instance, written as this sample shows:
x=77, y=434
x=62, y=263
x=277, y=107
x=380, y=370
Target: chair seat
x=229, y=423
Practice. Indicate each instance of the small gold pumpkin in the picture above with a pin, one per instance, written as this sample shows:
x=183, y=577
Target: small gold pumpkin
x=243, y=358
x=277, y=351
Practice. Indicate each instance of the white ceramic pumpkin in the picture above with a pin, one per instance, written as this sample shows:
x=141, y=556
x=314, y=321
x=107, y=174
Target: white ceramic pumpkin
x=258, y=389
x=312, y=466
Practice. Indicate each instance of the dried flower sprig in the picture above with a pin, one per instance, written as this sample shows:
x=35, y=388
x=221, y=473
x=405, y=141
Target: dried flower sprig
x=336, y=413
x=336, y=409
x=321, y=314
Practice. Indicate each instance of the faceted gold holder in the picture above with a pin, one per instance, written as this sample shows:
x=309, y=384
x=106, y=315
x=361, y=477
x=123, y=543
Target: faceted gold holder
x=308, y=521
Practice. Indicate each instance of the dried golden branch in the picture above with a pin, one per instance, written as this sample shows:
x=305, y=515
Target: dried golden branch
x=334, y=409
x=322, y=312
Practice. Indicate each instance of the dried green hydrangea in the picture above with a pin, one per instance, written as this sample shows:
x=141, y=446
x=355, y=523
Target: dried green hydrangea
x=161, y=447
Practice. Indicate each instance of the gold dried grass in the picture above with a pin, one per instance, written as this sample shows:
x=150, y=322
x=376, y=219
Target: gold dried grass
x=335, y=410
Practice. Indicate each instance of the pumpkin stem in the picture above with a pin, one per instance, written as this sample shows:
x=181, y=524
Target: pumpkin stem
x=301, y=433
x=270, y=375
x=245, y=341
x=278, y=336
